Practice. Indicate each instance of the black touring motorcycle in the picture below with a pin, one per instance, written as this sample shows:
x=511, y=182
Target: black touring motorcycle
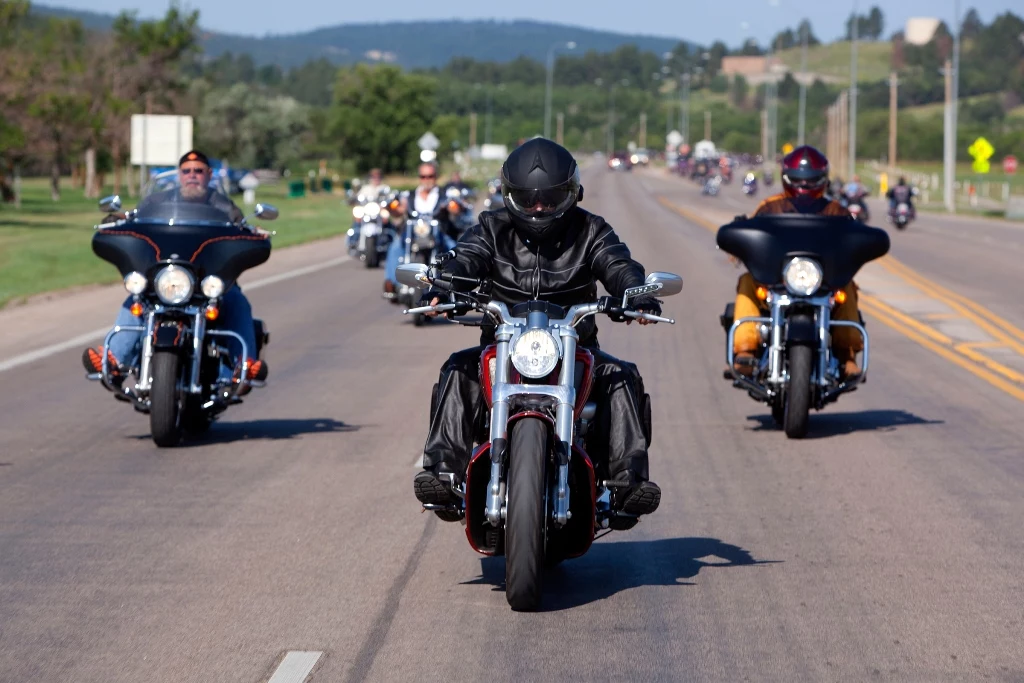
x=177, y=259
x=803, y=263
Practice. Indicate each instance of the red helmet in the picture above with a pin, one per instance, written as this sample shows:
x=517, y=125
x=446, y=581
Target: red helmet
x=805, y=173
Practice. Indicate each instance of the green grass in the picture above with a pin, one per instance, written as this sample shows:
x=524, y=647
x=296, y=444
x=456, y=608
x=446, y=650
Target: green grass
x=833, y=61
x=47, y=245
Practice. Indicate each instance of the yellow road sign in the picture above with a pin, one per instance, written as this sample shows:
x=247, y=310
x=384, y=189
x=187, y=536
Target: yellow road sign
x=787, y=148
x=982, y=151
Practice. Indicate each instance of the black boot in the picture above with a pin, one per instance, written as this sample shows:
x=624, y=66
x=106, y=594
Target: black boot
x=433, y=486
x=636, y=498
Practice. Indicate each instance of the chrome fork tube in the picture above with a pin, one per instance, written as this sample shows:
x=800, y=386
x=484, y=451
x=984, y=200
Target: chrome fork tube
x=564, y=426
x=824, y=324
x=198, y=336
x=499, y=430
x=145, y=380
x=775, y=350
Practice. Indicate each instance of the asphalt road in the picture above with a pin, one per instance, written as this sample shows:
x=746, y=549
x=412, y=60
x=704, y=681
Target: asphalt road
x=885, y=547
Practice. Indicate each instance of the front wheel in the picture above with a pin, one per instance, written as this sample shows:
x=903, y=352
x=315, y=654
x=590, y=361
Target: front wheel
x=372, y=257
x=165, y=407
x=798, y=392
x=526, y=519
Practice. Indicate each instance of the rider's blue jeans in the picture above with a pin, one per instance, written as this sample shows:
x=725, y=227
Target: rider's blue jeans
x=235, y=316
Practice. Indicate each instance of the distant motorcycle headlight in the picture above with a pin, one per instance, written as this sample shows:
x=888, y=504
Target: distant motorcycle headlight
x=212, y=286
x=357, y=212
x=421, y=228
x=371, y=210
x=135, y=283
x=535, y=354
x=802, y=276
x=174, y=285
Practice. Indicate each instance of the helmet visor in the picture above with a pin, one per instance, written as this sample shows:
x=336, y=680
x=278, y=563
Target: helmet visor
x=537, y=205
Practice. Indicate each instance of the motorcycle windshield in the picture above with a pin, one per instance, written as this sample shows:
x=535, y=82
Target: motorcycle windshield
x=167, y=228
x=765, y=244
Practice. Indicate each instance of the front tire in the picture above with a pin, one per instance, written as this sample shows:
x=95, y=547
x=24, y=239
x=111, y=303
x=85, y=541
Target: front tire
x=798, y=392
x=372, y=257
x=527, y=516
x=165, y=406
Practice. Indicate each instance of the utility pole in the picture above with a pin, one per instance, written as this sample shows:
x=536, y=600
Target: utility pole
x=764, y=135
x=550, y=82
x=560, y=128
x=802, y=120
x=707, y=124
x=893, y=84
x=684, y=109
x=472, y=129
x=643, y=130
x=853, y=96
x=949, y=143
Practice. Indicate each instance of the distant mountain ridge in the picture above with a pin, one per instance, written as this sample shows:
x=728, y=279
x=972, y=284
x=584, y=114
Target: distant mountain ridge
x=411, y=44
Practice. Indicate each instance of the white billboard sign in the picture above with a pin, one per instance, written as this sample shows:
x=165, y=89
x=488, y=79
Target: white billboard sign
x=160, y=140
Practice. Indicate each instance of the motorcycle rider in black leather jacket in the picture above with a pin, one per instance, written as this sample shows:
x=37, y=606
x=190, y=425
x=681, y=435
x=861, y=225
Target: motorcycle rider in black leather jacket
x=541, y=245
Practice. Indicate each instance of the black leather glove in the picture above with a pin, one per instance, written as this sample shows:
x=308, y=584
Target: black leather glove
x=647, y=304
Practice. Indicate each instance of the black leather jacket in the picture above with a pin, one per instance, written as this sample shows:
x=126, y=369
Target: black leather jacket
x=563, y=270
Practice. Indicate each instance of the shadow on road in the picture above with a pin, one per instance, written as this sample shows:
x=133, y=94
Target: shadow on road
x=825, y=424
x=609, y=568
x=269, y=430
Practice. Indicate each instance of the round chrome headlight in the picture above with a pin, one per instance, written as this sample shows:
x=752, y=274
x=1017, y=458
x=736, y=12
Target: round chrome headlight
x=357, y=212
x=421, y=228
x=135, y=283
x=212, y=286
x=535, y=354
x=174, y=285
x=802, y=276
x=372, y=210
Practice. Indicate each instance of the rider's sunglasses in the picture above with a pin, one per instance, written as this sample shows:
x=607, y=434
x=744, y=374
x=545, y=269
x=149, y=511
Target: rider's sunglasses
x=192, y=171
x=425, y=177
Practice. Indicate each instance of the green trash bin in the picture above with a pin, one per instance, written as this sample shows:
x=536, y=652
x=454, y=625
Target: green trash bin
x=313, y=186
x=327, y=184
x=296, y=189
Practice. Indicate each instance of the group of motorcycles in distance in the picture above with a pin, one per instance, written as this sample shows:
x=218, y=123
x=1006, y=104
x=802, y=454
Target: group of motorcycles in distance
x=380, y=226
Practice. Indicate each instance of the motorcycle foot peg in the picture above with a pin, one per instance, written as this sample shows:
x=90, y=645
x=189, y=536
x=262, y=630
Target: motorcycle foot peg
x=616, y=484
x=446, y=513
x=623, y=522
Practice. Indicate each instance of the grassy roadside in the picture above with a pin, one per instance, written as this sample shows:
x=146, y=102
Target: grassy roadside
x=47, y=246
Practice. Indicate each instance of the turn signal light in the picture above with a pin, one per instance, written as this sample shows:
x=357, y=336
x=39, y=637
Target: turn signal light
x=211, y=312
x=393, y=205
x=453, y=207
x=840, y=297
x=762, y=293
x=136, y=309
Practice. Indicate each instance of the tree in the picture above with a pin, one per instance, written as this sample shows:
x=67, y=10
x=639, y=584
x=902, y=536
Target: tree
x=875, y=24
x=378, y=115
x=804, y=29
x=972, y=24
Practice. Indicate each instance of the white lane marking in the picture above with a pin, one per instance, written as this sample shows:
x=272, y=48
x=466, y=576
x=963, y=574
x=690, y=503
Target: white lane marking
x=53, y=349
x=295, y=666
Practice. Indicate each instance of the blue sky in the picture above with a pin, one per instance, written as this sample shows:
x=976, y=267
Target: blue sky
x=700, y=21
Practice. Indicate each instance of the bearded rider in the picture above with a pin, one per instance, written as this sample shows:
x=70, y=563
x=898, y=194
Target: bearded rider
x=194, y=174
x=541, y=245
x=804, y=181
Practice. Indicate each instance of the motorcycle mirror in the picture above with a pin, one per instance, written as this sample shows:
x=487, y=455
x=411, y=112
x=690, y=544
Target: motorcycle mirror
x=413, y=275
x=671, y=284
x=266, y=212
x=110, y=204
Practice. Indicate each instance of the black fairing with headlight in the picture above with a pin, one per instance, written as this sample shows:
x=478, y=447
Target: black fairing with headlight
x=841, y=246
x=802, y=263
x=224, y=251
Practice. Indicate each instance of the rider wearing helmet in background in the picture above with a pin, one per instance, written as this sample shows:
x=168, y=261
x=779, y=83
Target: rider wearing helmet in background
x=541, y=245
x=900, y=193
x=804, y=181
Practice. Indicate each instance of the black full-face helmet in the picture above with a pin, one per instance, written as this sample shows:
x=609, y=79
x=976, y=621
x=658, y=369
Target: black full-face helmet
x=540, y=181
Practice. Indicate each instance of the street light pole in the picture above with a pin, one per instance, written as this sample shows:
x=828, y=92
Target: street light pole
x=550, y=81
x=684, y=109
x=802, y=119
x=853, y=95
